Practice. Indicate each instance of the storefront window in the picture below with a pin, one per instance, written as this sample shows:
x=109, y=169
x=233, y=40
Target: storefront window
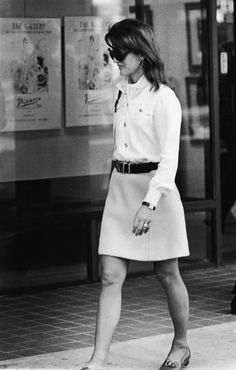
x=54, y=166
x=186, y=69
x=199, y=236
x=54, y=173
x=77, y=148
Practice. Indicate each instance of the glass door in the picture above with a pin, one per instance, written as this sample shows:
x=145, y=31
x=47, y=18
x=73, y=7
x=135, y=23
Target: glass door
x=226, y=50
x=184, y=49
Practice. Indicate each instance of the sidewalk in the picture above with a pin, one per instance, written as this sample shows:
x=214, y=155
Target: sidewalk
x=57, y=327
x=213, y=348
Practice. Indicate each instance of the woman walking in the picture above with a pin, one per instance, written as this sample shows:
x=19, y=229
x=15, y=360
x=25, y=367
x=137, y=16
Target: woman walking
x=143, y=217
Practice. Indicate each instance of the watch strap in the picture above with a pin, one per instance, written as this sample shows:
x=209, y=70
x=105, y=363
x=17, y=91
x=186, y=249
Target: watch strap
x=150, y=206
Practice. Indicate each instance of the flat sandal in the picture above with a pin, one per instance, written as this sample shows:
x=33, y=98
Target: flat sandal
x=168, y=364
x=90, y=368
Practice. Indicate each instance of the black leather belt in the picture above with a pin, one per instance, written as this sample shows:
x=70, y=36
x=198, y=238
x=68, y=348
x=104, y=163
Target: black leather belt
x=129, y=167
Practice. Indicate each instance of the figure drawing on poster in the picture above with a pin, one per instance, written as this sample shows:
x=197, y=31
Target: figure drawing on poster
x=90, y=73
x=30, y=71
x=94, y=69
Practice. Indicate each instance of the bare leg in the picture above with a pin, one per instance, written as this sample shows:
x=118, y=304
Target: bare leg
x=168, y=274
x=114, y=271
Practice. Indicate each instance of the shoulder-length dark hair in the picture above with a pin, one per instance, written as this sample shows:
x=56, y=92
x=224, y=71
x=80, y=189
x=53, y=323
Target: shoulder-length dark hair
x=137, y=37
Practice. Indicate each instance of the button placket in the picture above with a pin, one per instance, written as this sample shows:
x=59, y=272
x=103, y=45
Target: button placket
x=125, y=124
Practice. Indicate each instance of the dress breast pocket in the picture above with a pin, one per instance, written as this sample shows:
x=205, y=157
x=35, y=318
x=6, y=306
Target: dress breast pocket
x=143, y=114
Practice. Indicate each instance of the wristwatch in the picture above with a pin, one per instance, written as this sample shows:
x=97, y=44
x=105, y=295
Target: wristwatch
x=150, y=206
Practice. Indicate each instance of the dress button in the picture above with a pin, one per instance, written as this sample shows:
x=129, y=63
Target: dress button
x=124, y=124
x=140, y=109
x=126, y=145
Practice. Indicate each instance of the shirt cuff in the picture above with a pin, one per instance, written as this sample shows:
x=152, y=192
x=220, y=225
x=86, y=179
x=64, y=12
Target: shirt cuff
x=153, y=196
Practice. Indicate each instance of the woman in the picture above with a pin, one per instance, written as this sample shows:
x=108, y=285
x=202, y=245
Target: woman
x=143, y=217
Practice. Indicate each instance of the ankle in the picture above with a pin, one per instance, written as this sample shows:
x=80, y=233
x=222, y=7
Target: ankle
x=180, y=343
x=99, y=360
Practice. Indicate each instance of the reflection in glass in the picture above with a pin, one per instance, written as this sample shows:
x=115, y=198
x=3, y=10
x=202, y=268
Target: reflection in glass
x=186, y=69
x=199, y=236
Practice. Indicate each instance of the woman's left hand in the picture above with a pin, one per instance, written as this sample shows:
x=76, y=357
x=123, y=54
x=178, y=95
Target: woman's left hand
x=142, y=220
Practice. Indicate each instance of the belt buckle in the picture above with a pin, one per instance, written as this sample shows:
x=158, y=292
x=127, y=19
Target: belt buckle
x=120, y=166
x=123, y=167
x=129, y=164
x=128, y=167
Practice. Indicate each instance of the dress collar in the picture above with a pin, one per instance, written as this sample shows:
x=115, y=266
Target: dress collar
x=139, y=85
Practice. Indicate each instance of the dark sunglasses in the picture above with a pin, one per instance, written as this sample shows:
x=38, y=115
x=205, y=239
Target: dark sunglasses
x=118, y=54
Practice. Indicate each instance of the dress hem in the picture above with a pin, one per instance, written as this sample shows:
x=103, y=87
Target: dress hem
x=131, y=258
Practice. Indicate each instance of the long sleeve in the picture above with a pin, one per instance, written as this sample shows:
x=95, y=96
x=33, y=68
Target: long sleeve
x=167, y=116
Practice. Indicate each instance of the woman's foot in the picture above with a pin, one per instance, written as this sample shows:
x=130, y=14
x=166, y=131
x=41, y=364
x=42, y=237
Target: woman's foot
x=95, y=365
x=177, y=359
x=93, y=368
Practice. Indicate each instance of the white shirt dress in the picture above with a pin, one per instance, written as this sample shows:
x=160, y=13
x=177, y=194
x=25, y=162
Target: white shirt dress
x=146, y=129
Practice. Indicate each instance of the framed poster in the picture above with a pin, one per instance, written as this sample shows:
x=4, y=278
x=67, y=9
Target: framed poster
x=194, y=35
x=30, y=74
x=90, y=73
x=198, y=112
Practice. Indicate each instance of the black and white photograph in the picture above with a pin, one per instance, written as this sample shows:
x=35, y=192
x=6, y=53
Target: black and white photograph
x=117, y=184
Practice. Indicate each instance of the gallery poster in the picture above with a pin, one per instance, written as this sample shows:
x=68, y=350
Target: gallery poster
x=90, y=72
x=30, y=74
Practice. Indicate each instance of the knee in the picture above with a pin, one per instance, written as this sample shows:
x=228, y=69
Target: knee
x=166, y=276
x=110, y=277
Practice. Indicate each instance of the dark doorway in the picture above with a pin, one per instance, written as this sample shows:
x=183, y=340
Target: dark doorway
x=227, y=97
